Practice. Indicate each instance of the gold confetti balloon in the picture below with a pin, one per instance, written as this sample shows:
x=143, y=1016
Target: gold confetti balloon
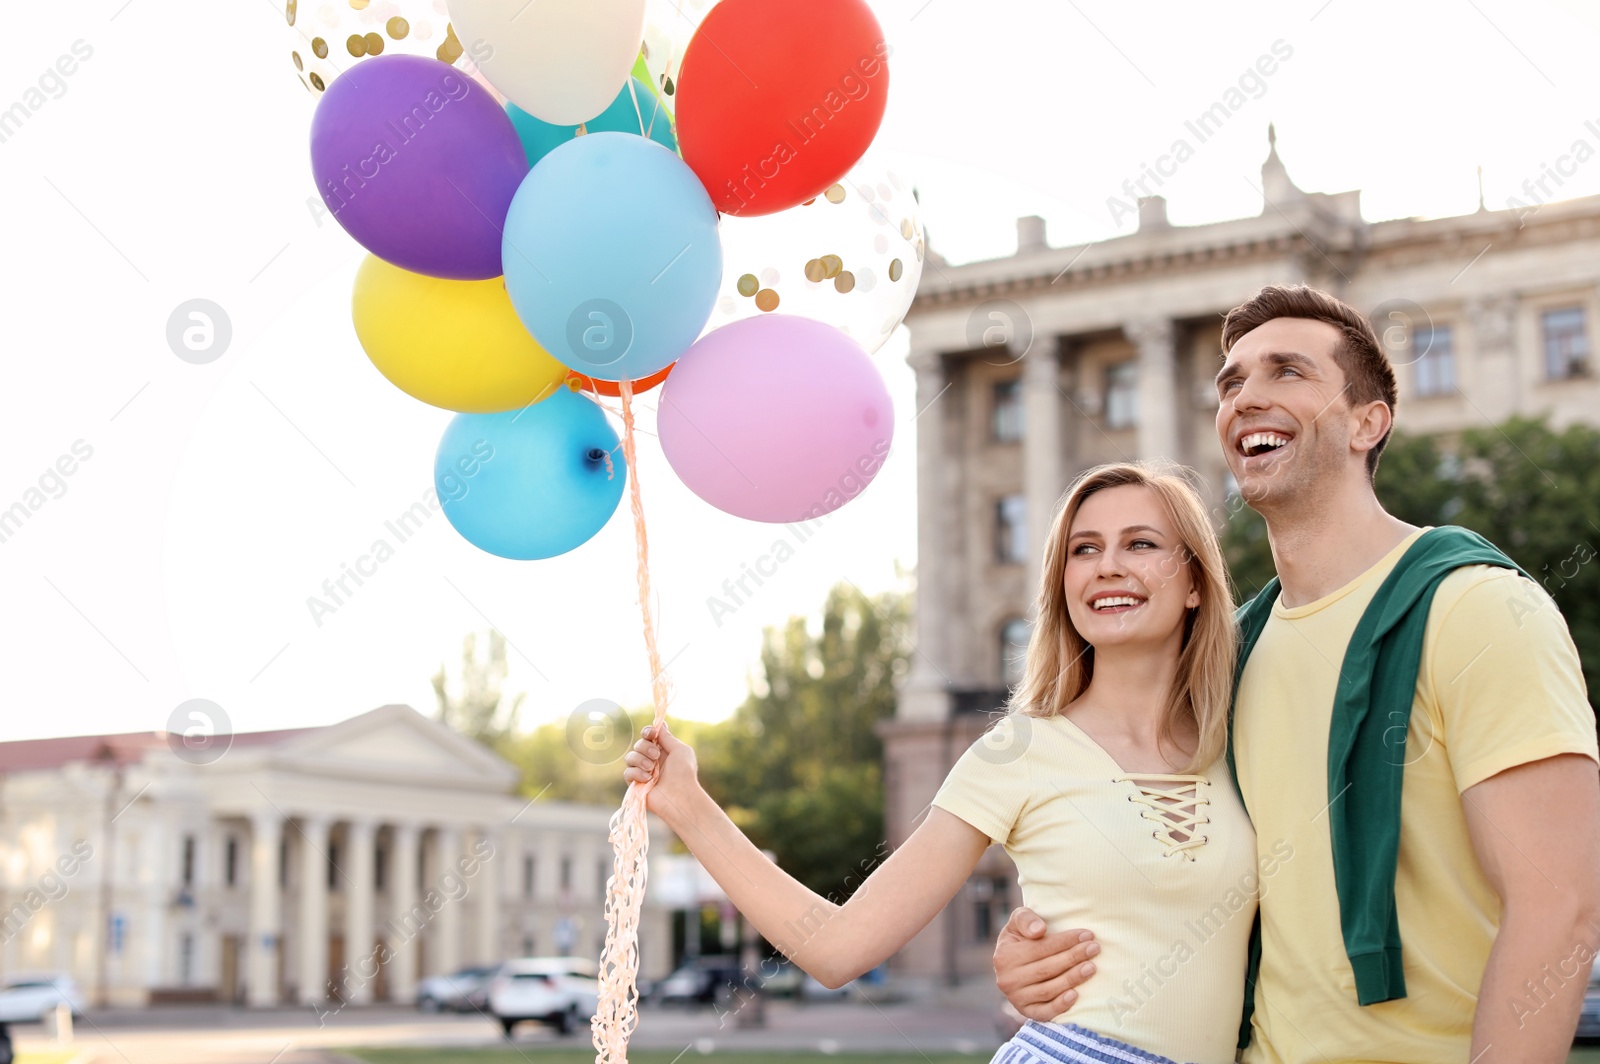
x=668, y=25
x=327, y=37
x=851, y=257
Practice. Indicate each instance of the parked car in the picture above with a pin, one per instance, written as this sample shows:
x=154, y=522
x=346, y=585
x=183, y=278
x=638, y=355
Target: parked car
x=781, y=979
x=26, y=997
x=563, y=992
x=463, y=991
x=703, y=980
x=1589, y=1018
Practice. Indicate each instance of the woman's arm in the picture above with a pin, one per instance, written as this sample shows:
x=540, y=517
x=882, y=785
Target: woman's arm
x=834, y=943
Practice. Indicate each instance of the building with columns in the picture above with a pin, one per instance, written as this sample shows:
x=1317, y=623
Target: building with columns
x=1036, y=366
x=310, y=865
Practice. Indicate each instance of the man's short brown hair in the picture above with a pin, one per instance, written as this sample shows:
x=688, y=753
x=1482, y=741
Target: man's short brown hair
x=1367, y=372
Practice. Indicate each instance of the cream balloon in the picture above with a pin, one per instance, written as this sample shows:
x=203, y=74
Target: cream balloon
x=852, y=257
x=562, y=61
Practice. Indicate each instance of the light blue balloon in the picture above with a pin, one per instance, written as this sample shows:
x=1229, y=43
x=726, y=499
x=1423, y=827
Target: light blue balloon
x=539, y=138
x=611, y=255
x=530, y=483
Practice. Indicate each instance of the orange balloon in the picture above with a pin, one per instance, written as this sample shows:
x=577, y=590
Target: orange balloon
x=610, y=387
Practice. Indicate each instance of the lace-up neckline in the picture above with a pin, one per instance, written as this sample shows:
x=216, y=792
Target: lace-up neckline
x=1173, y=802
x=1176, y=805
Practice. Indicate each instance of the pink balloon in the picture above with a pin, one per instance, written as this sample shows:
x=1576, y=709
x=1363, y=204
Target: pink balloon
x=776, y=418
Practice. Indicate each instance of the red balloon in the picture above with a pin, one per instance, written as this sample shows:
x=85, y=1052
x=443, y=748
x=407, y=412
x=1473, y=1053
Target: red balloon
x=778, y=99
x=644, y=384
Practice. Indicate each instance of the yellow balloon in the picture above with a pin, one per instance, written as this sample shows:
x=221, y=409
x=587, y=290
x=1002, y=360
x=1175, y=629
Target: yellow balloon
x=453, y=344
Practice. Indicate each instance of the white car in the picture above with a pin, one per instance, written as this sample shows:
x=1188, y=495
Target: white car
x=561, y=991
x=462, y=991
x=26, y=997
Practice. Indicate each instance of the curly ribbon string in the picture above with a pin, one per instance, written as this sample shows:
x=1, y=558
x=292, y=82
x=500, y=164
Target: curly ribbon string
x=618, y=1012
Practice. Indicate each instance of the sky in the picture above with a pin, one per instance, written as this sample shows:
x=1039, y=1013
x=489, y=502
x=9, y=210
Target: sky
x=207, y=502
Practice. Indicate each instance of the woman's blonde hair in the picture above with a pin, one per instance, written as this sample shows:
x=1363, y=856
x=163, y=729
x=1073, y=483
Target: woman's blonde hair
x=1060, y=663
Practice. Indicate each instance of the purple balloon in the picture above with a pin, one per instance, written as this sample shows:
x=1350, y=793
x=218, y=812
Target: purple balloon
x=776, y=418
x=419, y=164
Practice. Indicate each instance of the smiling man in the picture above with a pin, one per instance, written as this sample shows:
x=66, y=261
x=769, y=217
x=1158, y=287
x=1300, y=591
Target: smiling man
x=1410, y=724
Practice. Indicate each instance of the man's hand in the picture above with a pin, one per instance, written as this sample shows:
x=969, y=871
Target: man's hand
x=1037, y=972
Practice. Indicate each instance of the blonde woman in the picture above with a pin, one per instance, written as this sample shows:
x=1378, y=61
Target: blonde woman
x=1105, y=782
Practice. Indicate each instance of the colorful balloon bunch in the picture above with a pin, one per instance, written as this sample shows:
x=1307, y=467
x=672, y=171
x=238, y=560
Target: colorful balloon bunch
x=529, y=258
x=554, y=233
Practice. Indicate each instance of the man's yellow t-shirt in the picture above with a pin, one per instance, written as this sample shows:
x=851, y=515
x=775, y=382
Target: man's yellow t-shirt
x=1500, y=685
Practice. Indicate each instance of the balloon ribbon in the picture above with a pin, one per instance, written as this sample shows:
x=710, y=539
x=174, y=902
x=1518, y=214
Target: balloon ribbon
x=618, y=1013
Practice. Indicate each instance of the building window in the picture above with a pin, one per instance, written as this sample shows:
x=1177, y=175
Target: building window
x=333, y=866
x=1011, y=529
x=1566, y=344
x=186, y=960
x=566, y=873
x=380, y=867
x=603, y=871
x=527, y=877
x=1014, y=650
x=230, y=862
x=1006, y=424
x=527, y=945
x=188, y=860
x=1122, y=395
x=1434, y=371
x=283, y=863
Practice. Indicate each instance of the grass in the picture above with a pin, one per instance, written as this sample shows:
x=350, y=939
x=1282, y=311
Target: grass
x=574, y=1056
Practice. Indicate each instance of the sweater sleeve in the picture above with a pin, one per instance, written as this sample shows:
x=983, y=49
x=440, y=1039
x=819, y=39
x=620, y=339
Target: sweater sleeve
x=1507, y=684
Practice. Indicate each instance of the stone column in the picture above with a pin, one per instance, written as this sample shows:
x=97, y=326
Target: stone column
x=924, y=695
x=313, y=929
x=159, y=883
x=401, y=935
x=358, y=929
x=444, y=938
x=491, y=881
x=1158, y=388
x=1041, y=450
x=266, y=909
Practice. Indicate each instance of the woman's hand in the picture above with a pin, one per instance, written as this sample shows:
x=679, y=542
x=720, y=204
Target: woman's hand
x=668, y=761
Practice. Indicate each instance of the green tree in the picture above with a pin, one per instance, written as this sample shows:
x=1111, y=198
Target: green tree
x=1535, y=493
x=558, y=766
x=799, y=765
x=480, y=711
x=1532, y=491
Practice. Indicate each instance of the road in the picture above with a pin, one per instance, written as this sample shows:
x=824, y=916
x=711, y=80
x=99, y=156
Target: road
x=219, y=1035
